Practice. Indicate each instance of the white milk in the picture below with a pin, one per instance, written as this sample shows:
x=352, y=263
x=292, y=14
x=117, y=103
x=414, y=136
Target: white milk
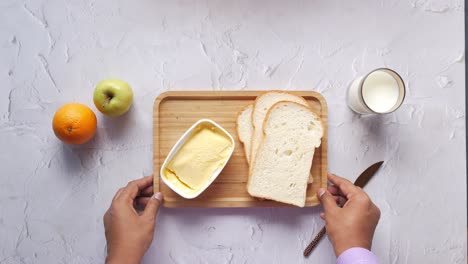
x=382, y=91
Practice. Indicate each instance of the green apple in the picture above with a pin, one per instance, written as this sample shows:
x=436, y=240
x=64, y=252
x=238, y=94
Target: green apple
x=113, y=97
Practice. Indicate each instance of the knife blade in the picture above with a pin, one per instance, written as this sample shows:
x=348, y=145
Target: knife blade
x=366, y=175
x=361, y=181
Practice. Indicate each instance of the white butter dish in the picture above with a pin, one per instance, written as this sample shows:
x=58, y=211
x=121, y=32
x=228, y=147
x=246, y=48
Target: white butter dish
x=179, y=144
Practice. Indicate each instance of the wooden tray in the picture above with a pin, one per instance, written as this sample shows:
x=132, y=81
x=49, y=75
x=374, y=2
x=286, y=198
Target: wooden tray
x=174, y=112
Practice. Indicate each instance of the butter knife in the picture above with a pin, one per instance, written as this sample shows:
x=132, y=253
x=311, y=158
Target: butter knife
x=361, y=181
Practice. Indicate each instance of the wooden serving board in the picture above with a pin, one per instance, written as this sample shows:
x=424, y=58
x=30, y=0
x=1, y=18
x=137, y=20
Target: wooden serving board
x=175, y=111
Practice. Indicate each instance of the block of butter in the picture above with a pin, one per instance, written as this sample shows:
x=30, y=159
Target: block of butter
x=197, y=158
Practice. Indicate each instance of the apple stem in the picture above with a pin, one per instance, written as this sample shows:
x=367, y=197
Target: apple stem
x=107, y=100
x=109, y=96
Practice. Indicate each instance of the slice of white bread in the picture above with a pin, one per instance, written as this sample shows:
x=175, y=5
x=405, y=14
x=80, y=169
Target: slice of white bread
x=244, y=131
x=284, y=158
x=261, y=106
x=245, y=128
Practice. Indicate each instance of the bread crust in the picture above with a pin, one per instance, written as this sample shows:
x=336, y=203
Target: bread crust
x=237, y=129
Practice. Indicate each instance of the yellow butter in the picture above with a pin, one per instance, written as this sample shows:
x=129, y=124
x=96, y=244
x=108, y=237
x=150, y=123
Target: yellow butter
x=177, y=183
x=205, y=151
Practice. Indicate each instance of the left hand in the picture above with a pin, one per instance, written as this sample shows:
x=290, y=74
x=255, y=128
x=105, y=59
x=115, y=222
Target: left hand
x=129, y=231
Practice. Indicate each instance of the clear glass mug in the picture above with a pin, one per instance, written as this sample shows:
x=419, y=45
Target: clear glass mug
x=381, y=91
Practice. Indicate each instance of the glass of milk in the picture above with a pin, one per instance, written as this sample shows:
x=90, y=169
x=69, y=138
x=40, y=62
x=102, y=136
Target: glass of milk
x=381, y=91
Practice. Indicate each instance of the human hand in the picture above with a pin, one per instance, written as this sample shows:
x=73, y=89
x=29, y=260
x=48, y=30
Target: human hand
x=350, y=216
x=129, y=230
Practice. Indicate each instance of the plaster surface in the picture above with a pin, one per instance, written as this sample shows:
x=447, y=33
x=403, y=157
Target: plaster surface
x=53, y=196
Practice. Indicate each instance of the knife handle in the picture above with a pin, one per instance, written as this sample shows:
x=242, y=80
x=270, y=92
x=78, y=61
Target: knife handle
x=314, y=242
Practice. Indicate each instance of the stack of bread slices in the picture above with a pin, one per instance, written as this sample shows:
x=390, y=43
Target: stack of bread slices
x=279, y=132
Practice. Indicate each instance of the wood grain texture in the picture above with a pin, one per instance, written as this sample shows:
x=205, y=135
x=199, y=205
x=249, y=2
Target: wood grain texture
x=175, y=111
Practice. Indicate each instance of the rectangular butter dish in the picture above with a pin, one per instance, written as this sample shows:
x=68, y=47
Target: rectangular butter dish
x=180, y=187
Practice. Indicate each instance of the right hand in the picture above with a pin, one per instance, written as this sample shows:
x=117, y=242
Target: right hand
x=350, y=216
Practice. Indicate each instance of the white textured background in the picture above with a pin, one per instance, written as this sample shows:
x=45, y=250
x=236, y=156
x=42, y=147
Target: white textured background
x=53, y=196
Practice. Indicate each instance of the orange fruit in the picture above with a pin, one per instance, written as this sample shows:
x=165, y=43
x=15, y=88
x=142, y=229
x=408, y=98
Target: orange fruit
x=74, y=123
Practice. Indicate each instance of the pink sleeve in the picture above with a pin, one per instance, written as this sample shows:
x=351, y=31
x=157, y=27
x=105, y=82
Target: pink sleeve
x=357, y=256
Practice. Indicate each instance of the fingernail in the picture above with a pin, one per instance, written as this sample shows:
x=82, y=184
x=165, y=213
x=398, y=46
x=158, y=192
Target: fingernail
x=321, y=191
x=158, y=196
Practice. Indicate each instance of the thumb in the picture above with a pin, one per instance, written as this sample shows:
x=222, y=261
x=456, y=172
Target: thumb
x=327, y=200
x=152, y=207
